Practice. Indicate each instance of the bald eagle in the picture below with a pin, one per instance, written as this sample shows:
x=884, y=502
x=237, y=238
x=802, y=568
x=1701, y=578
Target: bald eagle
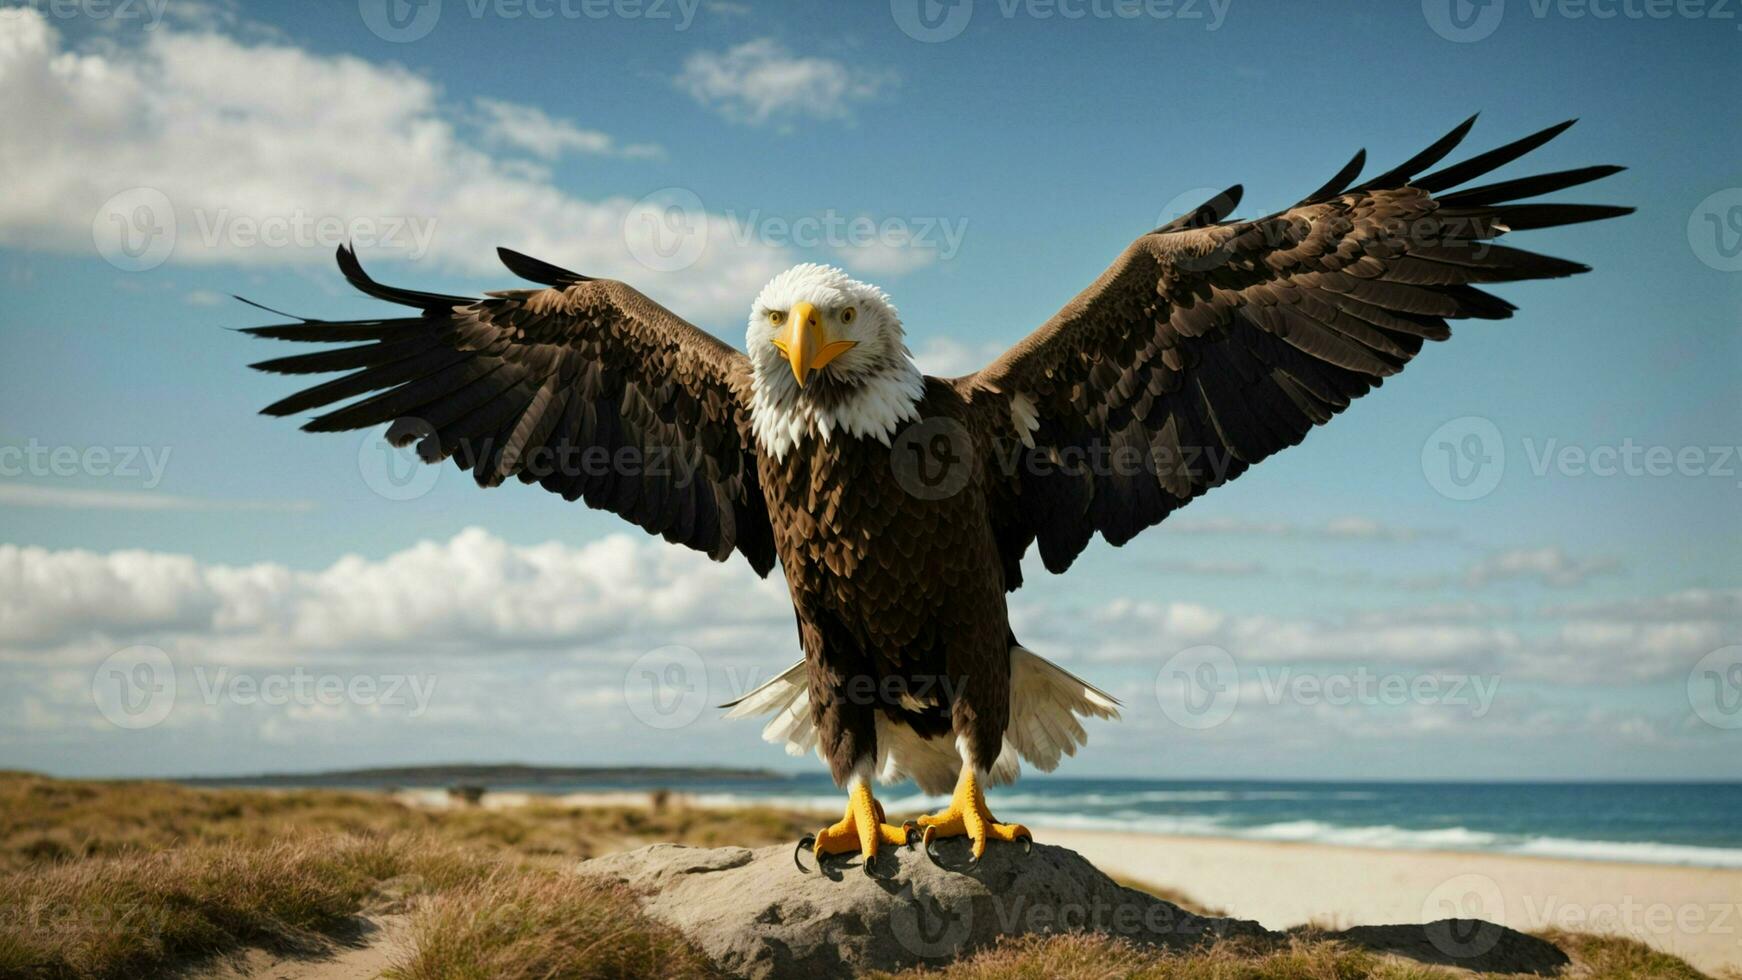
x=899, y=506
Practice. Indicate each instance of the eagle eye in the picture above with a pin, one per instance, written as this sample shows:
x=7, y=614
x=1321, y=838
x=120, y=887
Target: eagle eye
x=848, y=314
x=777, y=317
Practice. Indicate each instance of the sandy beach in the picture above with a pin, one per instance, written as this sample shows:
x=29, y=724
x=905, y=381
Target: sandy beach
x=1695, y=913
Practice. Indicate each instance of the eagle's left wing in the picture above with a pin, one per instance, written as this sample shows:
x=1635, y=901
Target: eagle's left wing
x=587, y=388
x=1207, y=346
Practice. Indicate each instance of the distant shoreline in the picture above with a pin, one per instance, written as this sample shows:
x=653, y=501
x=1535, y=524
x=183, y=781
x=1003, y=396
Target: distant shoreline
x=491, y=776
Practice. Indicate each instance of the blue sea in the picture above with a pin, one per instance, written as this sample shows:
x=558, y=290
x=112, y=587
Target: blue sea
x=1668, y=823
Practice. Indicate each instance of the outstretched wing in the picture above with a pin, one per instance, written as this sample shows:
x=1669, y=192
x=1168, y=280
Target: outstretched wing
x=587, y=388
x=1210, y=345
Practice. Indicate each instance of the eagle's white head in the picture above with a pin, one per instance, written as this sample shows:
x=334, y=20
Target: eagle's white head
x=827, y=357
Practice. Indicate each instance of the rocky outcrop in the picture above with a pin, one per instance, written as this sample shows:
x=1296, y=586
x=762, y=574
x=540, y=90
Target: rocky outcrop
x=758, y=916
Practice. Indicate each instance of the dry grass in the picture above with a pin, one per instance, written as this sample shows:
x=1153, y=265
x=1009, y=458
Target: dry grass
x=1615, y=958
x=119, y=879
x=1085, y=957
x=45, y=820
x=124, y=916
x=530, y=925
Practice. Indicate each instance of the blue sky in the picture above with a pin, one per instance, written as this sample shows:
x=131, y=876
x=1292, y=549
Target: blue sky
x=1009, y=162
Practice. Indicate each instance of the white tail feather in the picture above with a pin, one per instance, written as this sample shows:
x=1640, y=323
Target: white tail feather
x=1045, y=700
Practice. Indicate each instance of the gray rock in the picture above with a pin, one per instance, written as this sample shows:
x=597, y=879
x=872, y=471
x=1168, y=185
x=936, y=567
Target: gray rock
x=758, y=916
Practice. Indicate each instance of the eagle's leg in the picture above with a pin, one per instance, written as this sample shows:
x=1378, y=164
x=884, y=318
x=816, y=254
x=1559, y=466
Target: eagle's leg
x=861, y=828
x=968, y=816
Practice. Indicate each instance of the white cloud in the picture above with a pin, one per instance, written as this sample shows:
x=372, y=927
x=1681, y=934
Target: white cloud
x=306, y=150
x=1549, y=566
x=946, y=357
x=894, y=258
x=1595, y=647
x=37, y=495
x=1338, y=529
x=761, y=82
x=536, y=646
x=529, y=128
x=472, y=592
x=1220, y=568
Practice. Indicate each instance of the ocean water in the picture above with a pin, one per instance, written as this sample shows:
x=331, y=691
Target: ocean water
x=1668, y=823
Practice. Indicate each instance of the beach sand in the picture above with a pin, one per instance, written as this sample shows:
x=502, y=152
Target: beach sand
x=1695, y=913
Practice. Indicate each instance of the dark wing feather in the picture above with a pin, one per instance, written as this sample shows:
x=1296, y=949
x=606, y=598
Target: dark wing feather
x=588, y=388
x=1210, y=345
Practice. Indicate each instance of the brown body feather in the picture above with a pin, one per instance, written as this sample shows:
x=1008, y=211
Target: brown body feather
x=899, y=602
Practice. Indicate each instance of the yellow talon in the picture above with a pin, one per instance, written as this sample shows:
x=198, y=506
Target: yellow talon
x=967, y=816
x=860, y=829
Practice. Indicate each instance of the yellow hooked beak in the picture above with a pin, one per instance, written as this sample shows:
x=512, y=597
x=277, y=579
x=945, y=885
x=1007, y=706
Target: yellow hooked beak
x=806, y=343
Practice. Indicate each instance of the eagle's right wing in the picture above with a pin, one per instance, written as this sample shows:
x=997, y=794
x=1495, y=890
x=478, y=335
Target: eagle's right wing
x=1209, y=345
x=587, y=388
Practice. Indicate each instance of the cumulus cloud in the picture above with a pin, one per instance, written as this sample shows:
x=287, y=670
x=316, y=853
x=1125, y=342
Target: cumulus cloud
x=1594, y=646
x=472, y=593
x=529, y=645
x=529, y=128
x=268, y=154
x=762, y=82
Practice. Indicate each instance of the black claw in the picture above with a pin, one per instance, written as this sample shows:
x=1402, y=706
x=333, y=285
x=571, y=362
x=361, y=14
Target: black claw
x=930, y=855
x=1027, y=844
x=808, y=840
x=913, y=835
